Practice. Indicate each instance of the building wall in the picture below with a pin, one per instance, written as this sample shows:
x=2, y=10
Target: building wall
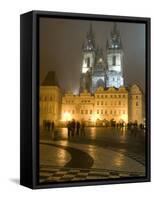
x=114, y=79
x=50, y=104
x=112, y=104
x=117, y=66
x=135, y=104
x=88, y=55
x=77, y=107
x=105, y=104
x=97, y=81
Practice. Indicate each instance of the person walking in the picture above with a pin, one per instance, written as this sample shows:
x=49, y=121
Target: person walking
x=73, y=127
x=48, y=126
x=78, y=128
x=83, y=128
x=52, y=128
x=69, y=128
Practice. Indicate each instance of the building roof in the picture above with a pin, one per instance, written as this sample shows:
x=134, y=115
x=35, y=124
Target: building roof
x=50, y=79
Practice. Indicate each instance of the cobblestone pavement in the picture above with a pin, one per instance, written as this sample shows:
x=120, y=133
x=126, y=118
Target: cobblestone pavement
x=102, y=153
x=55, y=174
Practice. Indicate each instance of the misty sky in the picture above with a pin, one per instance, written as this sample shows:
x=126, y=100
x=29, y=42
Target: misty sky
x=61, y=49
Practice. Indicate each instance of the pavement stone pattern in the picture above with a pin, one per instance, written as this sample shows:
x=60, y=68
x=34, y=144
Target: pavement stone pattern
x=56, y=174
x=129, y=144
x=103, y=153
x=102, y=158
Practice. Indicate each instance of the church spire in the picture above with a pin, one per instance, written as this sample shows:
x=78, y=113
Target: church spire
x=115, y=30
x=90, y=34
x=115, y=39
x=89, y=43
x=114, y=75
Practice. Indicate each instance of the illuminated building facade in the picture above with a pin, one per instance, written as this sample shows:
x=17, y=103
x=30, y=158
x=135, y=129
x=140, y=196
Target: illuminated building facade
x=136, y=104
x=102, y=94
x=121, y=105
x=50, y=100
x=104, y=104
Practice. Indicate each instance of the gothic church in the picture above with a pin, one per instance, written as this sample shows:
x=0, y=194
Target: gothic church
x=98, y=69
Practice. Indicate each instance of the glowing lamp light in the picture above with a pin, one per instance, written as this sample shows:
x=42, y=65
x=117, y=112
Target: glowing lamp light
x=124, y=118
x=67, y=117
x=94, y=117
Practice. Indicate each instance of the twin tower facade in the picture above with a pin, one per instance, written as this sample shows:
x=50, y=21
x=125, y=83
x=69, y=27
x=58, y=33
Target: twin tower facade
x=102, y=69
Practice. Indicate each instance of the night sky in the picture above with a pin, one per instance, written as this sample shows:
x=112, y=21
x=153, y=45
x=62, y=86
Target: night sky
x=61, y=49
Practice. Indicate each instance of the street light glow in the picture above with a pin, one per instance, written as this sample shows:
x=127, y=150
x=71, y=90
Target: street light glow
x=95, y=117
x=67, y=117
x=124, y=118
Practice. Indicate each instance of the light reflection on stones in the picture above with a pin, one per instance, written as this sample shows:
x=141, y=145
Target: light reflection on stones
x=50, y=155
x=104, y=158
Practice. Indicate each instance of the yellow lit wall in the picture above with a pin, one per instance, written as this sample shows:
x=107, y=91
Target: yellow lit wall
x=50, y=104
x=104, y=104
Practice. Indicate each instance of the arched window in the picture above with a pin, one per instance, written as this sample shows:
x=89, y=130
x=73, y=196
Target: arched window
x=114, y=60
x=88, y=62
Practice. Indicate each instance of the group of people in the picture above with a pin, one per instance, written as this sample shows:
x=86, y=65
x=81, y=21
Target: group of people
x=129, y=125
x=49, y=126
x=75, y=128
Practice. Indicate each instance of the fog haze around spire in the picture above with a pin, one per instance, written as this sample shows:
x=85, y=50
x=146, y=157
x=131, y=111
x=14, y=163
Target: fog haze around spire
x=61, y=43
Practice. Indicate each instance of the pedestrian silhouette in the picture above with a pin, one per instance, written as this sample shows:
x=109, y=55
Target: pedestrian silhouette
x=78, y=128
x=73, y=127
x=82, y=128
x=69, y=128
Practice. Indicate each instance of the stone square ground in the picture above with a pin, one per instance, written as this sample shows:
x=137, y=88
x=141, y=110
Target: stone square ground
x=101, y=153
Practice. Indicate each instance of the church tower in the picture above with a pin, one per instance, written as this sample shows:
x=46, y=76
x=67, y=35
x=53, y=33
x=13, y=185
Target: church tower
x=98, y=71
x=114, y=52
x=88, y=59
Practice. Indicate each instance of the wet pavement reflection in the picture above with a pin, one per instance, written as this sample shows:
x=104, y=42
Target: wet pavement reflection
x=102, y=148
